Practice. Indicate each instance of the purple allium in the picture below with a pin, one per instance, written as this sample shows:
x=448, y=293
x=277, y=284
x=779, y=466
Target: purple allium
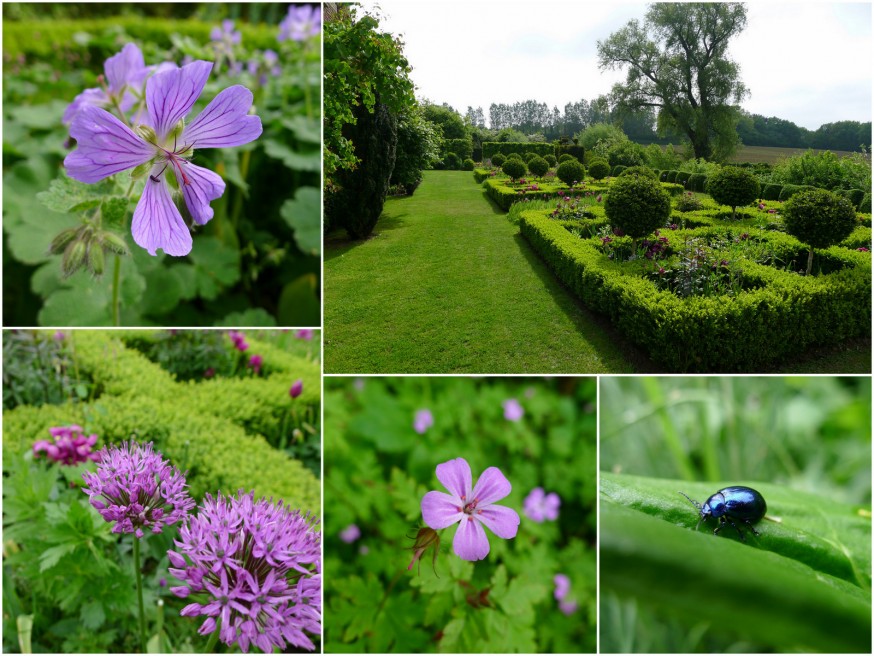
x=226, y=33
x=70, y=446
x=305, y=333
x=255, y=363
x=350, y=534
x=540, y=506
x=562, y=586
x=302, y=22
x=423, y=421
x=513, y=410
x=239, y=340
x=254, y=568
x=296, y=389
x=136, y=488
x=107, y=146
x=470, y=507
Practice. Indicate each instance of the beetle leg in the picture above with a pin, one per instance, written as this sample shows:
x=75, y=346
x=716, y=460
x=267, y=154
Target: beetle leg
x=719, y=525
x=750, y=526
x=736, y=528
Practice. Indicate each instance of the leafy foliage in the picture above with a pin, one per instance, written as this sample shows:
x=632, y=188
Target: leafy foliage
x=638, y=205
x=515, y=168
x=570, y=172
x=733, y=186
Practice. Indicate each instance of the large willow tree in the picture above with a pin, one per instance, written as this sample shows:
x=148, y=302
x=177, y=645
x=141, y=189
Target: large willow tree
x=677, y=62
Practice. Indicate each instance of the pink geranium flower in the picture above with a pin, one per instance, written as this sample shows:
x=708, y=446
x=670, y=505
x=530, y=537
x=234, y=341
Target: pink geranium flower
x=470, y=507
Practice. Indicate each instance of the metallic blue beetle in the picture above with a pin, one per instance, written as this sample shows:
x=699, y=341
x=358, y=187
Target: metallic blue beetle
x=742, y=504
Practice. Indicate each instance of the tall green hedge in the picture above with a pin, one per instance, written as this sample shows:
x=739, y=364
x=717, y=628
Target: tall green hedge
x=506, y=148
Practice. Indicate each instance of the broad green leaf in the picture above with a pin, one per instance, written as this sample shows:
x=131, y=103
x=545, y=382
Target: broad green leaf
x=253, y=317
x=67, y=195
x=218, y=266
x=114, y=211
x=50, y=557
x=92, y=615
x=303, y=214
x=40, y=117
x=298, y=303
x=304, y=128
x=807, y=573
x=164, y=290
x=296, y=161
x=232, y=171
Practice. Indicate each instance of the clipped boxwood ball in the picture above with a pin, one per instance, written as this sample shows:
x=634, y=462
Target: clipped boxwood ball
x=515, y=168
x=566, y=158
x=570, y=172
x=637, y=205
x=550, y=159
x=599, y=168
x=538, y=166
x=733, y=186
x=498, y=159
x=528, y=157
x=515, y=156
x=819, y=218
x=645, y=171
x=468, y=164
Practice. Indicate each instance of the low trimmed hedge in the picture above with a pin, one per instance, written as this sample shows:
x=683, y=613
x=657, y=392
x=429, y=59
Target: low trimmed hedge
x=506, y=148
x=479, y=175
x=789, y=190
x=771, y=191
x=783, y=315
x=697, y=182
x=683, y=177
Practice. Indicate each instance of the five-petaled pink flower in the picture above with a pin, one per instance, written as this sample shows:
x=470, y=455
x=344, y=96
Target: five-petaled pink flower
x=470, y=507
x=106, y=146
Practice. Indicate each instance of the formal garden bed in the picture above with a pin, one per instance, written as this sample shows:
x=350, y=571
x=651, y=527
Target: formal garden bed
x=231, y=411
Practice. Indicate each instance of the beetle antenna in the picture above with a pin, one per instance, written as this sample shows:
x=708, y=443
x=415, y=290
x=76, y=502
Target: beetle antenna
x=694, y=503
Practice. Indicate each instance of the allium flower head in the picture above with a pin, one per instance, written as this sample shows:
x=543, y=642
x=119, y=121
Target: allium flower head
x=70, y=446
x=513, y=410
x=296, y=389
x=540, y=506
x=162, y=145
x=257, y=566
x=302, y=22
x=470, y=507
x=136, y=488
x=423, y=421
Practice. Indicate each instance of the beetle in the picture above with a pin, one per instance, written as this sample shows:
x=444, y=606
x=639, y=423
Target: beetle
x=739, y=503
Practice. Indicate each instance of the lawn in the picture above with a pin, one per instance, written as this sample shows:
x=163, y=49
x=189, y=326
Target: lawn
x=447, y=284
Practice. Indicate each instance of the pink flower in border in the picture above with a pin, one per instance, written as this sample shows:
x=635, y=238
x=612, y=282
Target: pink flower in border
x=513, y=410
x=305, y=333
x=562, y=586
x=423, y=421
x=255, y=363
x=470, y=507
x=106, y=146
x=567, y=607
x=70, y=446
x=540, y=507
x=296, y=389
x=302, y=22
x=239, y=340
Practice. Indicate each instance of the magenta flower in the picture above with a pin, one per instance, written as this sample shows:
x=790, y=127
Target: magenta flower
x=107, y=146
x=539, y=506
x=305, y=333
x=254, y=568
x=470, y=508
x=350, y=534
x=423, y=421
x=255, y=363
x=136, y=488
x=296, y=389
x=59, y=336
x=562, y=586
x=513, y=410
x=239, y=340
x=70, y=446
x=302, y=22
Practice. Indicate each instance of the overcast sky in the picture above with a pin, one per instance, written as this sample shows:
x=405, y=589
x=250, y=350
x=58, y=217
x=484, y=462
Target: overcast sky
x=806, y=62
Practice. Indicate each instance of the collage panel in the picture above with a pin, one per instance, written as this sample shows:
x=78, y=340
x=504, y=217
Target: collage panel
x=161, y=491
x=460, y=515
x=735, y=514
x=162, y=164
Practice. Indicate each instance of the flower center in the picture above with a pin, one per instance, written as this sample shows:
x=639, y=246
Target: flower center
x=470, y=508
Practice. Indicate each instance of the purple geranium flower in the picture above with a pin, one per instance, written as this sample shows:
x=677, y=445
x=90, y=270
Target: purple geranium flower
x=470, y=507
x=302, y=22
x=136, y=488
x=513, y=410
x=350, y=534
x=423, y=421
x=70, y=446
x=226, y=33
x=540, y=506
x=257, y=567
x=107, y=146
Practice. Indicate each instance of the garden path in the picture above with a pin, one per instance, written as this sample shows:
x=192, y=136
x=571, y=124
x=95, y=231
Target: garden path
x=446, y=284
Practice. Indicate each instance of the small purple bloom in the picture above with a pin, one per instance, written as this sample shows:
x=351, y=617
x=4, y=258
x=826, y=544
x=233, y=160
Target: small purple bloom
x=350, y=534
x=107, y=146
x=226, y=33
x=239, y=340
x=296, y=389
x=136, y=488
x=540, y=507
x=567, y=607
x=470, y=507
x=69, y=446
x=423, y=421
x=255, y=363
x=305, y=333
x=256, y=567
x=59, y=336
x=513, y=410
x=562, y=586
x=162, y=582
x=862, y=249
x=302, y=22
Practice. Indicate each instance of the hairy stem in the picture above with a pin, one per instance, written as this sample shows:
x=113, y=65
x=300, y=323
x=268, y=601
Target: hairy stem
x=140, y=594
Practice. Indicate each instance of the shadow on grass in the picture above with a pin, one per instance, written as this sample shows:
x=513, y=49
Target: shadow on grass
x=494, y=206
x=338, y=242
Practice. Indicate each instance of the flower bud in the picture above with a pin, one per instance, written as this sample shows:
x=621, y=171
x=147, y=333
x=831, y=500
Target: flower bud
x=62, y=240
x=96, y=261
x=74, y=258
x=147, y=133
x=426, y=538
x=115, y=243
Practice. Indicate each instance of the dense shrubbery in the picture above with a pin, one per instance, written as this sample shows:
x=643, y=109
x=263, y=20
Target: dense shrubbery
x=824, y=170
x=637, y=205
x=507, y=148
x=733, y=186
x=515, y=168
x=570, y=172
x=644, y=171
x=599, y=168
x=538, y=166
x=498, y=159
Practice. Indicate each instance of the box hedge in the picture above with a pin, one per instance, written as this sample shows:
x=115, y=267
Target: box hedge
x=697, y=182
x=771, y=191
x=479, y=175
x=790, y=190
x=781, y=315
x=506, y=148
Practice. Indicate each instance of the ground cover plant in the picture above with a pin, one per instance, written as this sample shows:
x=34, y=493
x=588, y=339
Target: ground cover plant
x=805, y=444
x=400, y=452
x=208, y=214
x=135, y=478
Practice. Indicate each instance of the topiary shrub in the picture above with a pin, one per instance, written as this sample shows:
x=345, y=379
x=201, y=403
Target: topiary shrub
x=452, y=162
x=789, y=190
x=514, y=167
x=538, y=166
x=618, y=169
x=683, y=177
x=529, y=156
x=516, y=156
x=855, y=196
x=498, y=159
x=644, y=171
x=771, y=191
x=468, y=164
x=670, y=176
x=566, y=158
x=599, y=169
x=865, y=205
x=733, y=186
x=570, y=172
x=697, y=182
x=637, y=205
x=551, y=160
x=818, y=218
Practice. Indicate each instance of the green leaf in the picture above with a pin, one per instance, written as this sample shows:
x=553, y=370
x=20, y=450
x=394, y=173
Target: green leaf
x=92, y=615
x=298, y=303
x=232, y=171
x=50, y=557
x=67, y=195
x=303, y=214
x=45, y=116
x=114, y=211
x=24, y=624
x=258, y=317
x=304, y=128
x=806, y=574
x=307, y=161
x=218, y=266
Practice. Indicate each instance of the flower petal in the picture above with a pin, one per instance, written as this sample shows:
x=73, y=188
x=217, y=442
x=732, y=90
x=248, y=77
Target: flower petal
x=455, y=476
x=492, y=486
x=96, y=97
x=502, y=521
x=203, y=186
x=105, y=146
x=171, y=94
x=157, y=222
x=124, y=67
x=440, y=510
x=225, y=121
x=470, y=541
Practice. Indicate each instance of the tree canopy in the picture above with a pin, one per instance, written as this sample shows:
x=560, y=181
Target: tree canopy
x=678, y=63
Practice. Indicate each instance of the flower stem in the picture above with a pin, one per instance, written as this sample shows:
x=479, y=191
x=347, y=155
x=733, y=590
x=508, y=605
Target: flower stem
x=213, y=638
x=140, y=595
x=116, y=278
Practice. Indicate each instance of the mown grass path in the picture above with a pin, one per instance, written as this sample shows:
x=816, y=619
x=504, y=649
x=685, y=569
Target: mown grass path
x=447, y=284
